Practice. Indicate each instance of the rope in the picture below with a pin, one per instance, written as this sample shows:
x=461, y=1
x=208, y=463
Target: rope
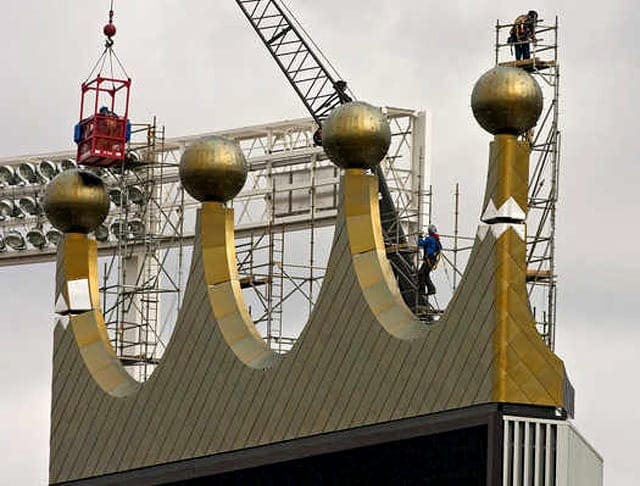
x=95, y=66
x=108, y=54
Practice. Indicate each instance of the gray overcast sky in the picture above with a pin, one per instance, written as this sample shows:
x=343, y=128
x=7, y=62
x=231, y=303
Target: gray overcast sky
x=198, y=66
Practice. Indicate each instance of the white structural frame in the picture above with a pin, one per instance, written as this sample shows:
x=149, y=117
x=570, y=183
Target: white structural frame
x=543, y=452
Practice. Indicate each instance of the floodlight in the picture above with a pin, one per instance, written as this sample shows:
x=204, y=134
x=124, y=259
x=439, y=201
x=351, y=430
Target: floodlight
x=115, y=194
x=67, y=164
x=54, y=236
x=133, y=158
x=47, y=170
x=136, y=228
x=119, y=229
x=101, y=233
x=37, y=238
x=7, y=175
x=15, y=240
x=136, y=195
x=7, y=208
x=29, y=205
x=27, y=172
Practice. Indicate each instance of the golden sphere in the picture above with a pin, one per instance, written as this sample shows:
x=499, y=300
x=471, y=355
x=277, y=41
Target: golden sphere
x=213, y=169
x=506, y=100
x=356, y=135
x=76, y=201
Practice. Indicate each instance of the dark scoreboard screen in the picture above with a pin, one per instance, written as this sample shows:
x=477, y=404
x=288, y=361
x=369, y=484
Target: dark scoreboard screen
x=455, y=458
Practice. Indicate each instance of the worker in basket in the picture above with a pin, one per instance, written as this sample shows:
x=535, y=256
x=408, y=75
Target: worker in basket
x=431, y=257
x=109, y=127
x=522, y=33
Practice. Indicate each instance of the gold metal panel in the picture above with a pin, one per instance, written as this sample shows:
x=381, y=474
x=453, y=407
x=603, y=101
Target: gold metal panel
x=88, y=330
x=508, y=173
x=376, y=279
x=225, y=295
x=218, y=243
x=362, y=211
x=99, y=358
x=519, y=353
x=80, y=261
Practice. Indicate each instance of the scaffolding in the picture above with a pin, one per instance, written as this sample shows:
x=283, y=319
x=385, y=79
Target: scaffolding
x=545, y=144
x=145, y=265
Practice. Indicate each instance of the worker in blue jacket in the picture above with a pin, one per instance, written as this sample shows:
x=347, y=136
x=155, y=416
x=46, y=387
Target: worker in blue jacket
x=431, y=256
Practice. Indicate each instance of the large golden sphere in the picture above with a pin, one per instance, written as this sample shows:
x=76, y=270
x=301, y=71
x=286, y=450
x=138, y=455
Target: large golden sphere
x=76, y=201
x=356, y=135
x=213, y=169
x=506, y=100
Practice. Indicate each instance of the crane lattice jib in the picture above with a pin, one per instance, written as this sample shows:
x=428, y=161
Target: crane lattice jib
x=318, y=89
x=321, y=92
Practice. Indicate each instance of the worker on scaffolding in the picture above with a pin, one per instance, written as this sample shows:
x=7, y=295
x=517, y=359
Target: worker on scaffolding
x=431, y=256
x=522, y=33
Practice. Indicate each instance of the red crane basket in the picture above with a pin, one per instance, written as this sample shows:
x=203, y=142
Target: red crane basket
x=102, y=133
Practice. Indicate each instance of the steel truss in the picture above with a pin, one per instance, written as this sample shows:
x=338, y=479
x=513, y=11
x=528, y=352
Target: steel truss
x=319, y=89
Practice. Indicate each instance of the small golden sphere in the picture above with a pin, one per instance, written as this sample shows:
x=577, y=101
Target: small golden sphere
x=506, y=100
x=213, y=169
x=356, y=135
x=76, y=201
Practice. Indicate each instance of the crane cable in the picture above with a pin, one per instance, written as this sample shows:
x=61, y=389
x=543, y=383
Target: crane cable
x=108, y=54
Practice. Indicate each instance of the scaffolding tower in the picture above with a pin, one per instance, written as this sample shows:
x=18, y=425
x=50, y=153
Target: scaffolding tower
x=145, y=264
x=545, y=143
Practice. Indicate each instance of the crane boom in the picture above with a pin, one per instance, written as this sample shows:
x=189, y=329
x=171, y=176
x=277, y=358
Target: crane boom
x=317, y=87
x=321, y=91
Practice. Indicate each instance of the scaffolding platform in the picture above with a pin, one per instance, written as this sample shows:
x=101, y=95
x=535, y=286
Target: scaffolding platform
x=401, y=248
x=253, y=281
x=130, y=360
x=534, y=275
x=530, y=65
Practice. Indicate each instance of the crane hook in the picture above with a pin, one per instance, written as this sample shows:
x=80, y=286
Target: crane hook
x=109, y=29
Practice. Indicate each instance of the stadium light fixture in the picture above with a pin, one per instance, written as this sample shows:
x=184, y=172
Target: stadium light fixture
x=67, y=164
x=136, y=228
x=15, y=240
x=29, y=205
x=119, y=229
x=27, y=172
x=54, y=236
x=7, y=208
x=136, y=195
x=115, y=194
x=37, y=238
x=47, y=170
x=7, y=175
x=101, y=233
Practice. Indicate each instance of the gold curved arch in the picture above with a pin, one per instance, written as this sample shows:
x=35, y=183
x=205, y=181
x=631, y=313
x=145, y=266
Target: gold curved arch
x=376, y=279
x=225, y=295
x=79, y=297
